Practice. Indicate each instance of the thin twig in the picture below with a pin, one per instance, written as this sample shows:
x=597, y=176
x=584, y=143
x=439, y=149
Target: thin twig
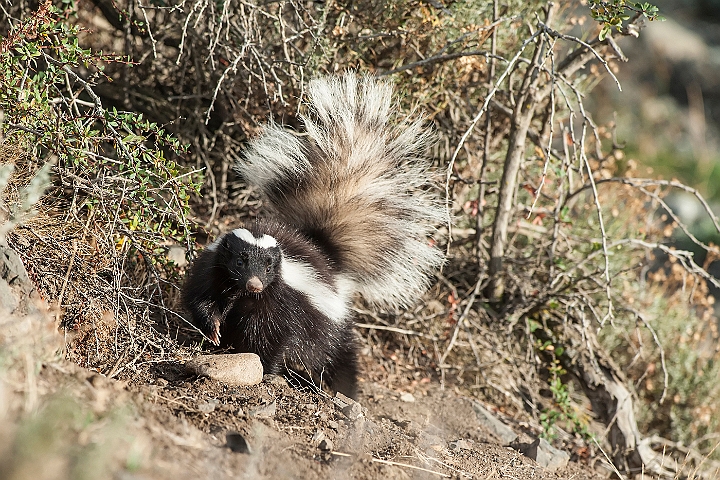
x=666, y=376
x=473, y=123
x=600, y=58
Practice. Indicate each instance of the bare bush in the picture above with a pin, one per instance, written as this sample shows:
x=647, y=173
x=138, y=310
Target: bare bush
x=549, y=229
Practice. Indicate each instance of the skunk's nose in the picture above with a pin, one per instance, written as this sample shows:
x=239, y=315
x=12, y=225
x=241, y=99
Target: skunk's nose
x=254, y=285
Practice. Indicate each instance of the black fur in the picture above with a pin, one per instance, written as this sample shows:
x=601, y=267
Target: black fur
x=278, y=323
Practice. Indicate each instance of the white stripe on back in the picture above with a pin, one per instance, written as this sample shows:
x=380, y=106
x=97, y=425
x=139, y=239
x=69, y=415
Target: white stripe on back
x=301, y=276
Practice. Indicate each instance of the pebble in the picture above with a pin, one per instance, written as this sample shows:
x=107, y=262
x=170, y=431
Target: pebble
x=176, y=254
x=407, y=397
x=208, y=407
x=353, y=411
x=492, y=423
x=318, y=437
x=545, y=454
x=231, y=369
x=349, y=407
x=461, y=444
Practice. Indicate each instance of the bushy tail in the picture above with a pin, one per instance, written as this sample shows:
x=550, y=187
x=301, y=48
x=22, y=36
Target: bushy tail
x=357, y=184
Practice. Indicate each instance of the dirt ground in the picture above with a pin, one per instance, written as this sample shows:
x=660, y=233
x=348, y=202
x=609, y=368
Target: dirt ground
x=179, y=426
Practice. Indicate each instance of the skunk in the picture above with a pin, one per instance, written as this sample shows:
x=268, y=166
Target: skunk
x=352, y=207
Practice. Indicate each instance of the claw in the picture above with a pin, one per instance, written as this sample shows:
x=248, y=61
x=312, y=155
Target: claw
x=215, y=335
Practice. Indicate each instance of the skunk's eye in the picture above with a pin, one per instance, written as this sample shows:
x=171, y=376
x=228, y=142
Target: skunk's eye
x=268, y=266
x=242, y=260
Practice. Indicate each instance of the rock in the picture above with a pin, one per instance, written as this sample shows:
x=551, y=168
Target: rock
x=353, y=411
x=7, y=297
x=326, y=445
x=545, y=454
x=17, y=293
x=370, y=427
x=342, y=401
x=318, y=437
x=498, y=428
x=176, y=254
x=349, y=407
x=208, y=407
x=237, y=443
x=461, y=445
x=265, y=411
x=407, y=397
x=232, y=369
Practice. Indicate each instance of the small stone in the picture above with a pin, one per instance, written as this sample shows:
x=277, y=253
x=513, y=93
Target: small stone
x=359, y=424
x=97, y=380
x=491, y=422
x=353, y=411
x=545, y=454
x=326, y=445
x=207, y=407
x=341, y=401
x=237, y=443
x=461, y=445
x=349, y=407
x=176, y=254
x=7, y=297
x=318, y=437
x=231, y=369
x=407, y=397
x=333, y=424
x=265, y=411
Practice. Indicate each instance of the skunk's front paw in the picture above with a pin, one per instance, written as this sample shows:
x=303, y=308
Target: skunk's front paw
x=214, y=334
x=207, y=319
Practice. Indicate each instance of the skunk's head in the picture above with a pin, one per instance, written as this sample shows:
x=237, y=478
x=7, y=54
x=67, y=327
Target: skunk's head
x=252, y=262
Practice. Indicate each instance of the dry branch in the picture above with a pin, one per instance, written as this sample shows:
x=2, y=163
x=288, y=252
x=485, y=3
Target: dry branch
x=523, y=115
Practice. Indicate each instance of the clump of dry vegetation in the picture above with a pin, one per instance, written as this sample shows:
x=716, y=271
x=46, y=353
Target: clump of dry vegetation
x=552, y=238
x=52, y=428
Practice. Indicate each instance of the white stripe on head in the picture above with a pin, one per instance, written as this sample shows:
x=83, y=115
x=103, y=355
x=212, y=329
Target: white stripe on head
x=302, y=277
x=266, y=241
